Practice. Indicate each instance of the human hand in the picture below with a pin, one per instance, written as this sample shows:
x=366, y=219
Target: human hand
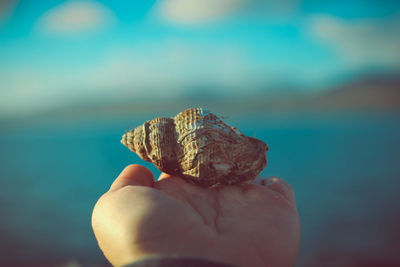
x=242, y=225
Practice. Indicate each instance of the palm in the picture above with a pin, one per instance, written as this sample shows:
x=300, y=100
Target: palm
x=245, y=225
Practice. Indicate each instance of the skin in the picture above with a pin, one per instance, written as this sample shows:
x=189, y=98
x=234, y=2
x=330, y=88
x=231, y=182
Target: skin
x=242, y=225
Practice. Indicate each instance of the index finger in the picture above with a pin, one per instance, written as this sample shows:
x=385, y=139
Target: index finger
x=133, y=175
x=280, y=186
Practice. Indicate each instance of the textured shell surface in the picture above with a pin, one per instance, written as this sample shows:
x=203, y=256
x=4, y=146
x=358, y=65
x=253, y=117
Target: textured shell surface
x=199, y=147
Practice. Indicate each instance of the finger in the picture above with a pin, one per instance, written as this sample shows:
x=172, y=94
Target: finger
x=164, y=176
x=172, y=185
x=279, y=185
x=169, y=179
x=133, y=175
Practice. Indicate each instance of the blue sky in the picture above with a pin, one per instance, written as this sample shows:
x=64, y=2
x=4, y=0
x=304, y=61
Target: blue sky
x=57, y=52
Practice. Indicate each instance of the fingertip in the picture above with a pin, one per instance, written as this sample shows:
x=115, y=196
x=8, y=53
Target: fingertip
x=169, y=178
x=133, y=174
x=279, y=185
x=164, y=176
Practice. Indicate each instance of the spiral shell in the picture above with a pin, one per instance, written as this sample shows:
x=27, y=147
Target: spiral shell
x=199, y=147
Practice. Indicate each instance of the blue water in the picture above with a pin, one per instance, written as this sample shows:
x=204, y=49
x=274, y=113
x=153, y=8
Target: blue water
x=345, y=170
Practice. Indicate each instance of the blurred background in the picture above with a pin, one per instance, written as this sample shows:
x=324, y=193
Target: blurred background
x=318, y=81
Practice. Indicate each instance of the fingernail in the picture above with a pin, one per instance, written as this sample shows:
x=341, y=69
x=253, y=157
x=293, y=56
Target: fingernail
x=271, y=180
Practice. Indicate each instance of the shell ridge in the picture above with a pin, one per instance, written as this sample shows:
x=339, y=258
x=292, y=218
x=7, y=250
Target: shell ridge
x=147, y=145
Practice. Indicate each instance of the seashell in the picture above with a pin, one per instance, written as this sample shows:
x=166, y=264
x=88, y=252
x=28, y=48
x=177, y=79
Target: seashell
x=199, y=147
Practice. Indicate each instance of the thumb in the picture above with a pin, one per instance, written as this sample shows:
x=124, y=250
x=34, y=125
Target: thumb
x=133, y=175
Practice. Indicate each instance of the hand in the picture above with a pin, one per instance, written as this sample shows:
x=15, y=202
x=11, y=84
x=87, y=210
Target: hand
x=242, y=225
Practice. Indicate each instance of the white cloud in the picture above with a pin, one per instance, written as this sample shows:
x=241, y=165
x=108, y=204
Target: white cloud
x=75, y=16
x=363, y=42
x=192, y=12
x=195, y=11
x=7, y=8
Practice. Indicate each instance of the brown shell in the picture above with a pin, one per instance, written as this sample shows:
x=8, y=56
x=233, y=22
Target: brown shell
x=200, y=147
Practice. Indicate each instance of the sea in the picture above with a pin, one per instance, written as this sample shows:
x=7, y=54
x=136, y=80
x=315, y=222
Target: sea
x=343, y=166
